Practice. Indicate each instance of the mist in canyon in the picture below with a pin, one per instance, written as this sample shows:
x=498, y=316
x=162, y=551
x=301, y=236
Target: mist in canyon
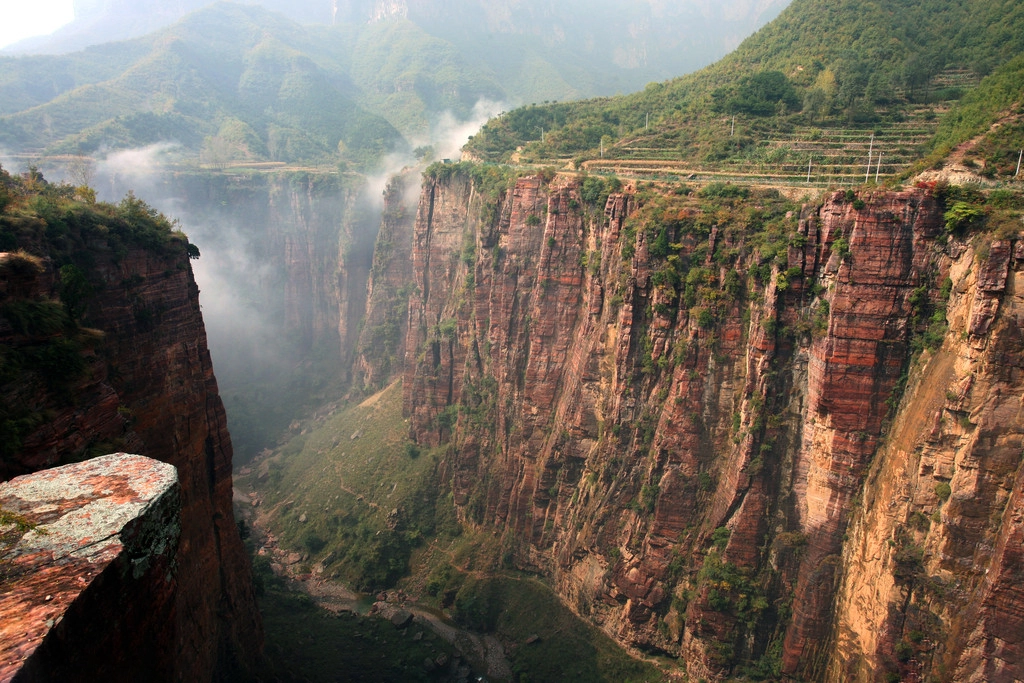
x=285, y=261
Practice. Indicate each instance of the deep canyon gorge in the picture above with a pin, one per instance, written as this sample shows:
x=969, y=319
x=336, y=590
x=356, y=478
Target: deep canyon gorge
x=720, y=380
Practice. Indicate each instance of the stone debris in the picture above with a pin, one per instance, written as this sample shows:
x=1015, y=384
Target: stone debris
x=402, y=618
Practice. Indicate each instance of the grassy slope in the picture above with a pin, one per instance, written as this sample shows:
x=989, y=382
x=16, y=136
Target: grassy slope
x=520, y=608
x=999, y=94
x=347, y=487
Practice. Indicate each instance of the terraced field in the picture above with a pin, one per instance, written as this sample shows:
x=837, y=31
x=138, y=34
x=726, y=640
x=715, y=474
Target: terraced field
x=800, y=156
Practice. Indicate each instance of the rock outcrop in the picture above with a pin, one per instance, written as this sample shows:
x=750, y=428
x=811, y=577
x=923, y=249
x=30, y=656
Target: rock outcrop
x=88, y=572
x=754, y=437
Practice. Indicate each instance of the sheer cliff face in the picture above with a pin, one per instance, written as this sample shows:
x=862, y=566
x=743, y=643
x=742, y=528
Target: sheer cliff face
x=937, y=548
x=705, y=449
x=149, y=386
x=379, y=352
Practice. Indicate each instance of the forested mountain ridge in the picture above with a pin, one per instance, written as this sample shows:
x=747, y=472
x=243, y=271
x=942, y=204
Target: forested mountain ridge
x=819, y=63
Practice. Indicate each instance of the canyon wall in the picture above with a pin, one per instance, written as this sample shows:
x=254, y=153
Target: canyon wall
x=131, y=372
x=764, y=439
x=299, y=244
x=380, y=351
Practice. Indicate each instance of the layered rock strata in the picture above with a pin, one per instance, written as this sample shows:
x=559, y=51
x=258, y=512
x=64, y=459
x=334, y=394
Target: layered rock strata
x=937, y=547
x=88, y=572
x=719, y=479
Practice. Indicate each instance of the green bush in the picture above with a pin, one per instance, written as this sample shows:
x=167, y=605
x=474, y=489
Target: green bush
x=313, y=542
x=723, y=191
x=961, y=216
x=705, y=318
x=478, y=604
x=648, y=497
x=720, y=537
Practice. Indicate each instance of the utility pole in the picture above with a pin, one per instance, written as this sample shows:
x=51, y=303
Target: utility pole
x=1019, y=157
x=878, y=167
x=871, y=148
x=809, y=168
x=647, y=121
x=602, y=148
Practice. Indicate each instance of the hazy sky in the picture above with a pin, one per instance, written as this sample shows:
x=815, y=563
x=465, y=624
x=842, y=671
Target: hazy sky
x=20, y=19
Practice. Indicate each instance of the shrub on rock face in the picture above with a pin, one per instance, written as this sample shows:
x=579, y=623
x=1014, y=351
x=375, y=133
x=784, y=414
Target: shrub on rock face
x=960, y=216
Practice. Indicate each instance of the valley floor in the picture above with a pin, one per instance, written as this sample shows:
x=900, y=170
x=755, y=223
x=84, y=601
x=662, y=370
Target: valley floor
x=302, y=505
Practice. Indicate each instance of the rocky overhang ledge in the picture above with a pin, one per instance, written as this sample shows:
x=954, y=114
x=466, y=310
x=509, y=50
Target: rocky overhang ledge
x=87, y=571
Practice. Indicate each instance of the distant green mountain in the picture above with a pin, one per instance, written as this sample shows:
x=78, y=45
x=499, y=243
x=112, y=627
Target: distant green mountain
x=820, y=61
x=106, y=21
x=231, y=81
x=538, y=49
x=568, y=49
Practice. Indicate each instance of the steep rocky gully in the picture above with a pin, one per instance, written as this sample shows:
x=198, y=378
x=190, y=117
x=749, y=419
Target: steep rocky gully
x=143, y=383
x=755, y=436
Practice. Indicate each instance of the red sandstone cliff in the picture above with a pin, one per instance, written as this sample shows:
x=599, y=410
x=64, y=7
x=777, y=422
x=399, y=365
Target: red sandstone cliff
x=147, y=385
x=694, y=441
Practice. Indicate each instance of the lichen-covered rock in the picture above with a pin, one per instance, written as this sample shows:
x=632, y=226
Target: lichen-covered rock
x=88, y=572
